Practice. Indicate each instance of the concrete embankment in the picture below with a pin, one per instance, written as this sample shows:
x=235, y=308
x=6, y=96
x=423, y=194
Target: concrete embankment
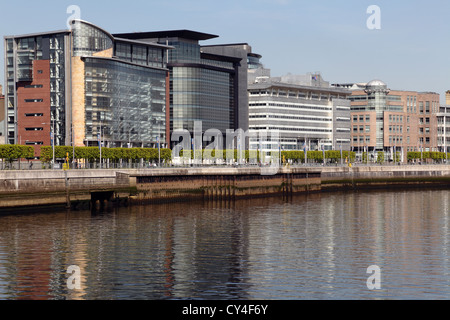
x=88, y=188
x=385, y=177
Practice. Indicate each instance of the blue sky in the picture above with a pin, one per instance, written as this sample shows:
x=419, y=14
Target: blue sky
x=410, y=52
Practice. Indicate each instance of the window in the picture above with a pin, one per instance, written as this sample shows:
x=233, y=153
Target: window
x=361, y=118
x=367, y=128
x=361, y=128
x=368, y=118
x=34, y=115
x=355, y=118
x=34, y=129
x=40, y=71
x=33, y=100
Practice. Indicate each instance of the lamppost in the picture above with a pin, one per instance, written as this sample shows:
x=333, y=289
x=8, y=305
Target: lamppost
x=52, y=137
x=100, y=145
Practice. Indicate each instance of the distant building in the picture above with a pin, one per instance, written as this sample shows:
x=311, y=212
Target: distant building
x=443, y=129
x=392, y=120
x=305, y=110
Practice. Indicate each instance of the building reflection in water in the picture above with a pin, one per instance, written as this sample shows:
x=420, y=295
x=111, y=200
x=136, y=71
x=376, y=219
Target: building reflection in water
x=315, y=246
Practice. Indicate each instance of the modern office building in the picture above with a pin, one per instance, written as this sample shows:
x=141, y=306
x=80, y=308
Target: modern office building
x=84, y=86
x=238, y=51
x=304, y=109
x=392, y=120
x=443, y=128
x=2, y=116
x=206, y=83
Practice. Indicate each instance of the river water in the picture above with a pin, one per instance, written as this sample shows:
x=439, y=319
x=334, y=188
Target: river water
x=315, y=246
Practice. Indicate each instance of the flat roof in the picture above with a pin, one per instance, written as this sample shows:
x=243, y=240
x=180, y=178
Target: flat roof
x=186, y=34
x=146, y=43
x=267, y=85
x=38, y=34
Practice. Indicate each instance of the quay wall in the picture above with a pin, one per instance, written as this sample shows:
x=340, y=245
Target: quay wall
x=385, y=176
x=56, y=187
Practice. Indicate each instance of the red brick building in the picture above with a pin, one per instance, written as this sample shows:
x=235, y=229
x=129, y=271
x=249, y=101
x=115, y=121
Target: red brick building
x=387, y=120
x=33, y=108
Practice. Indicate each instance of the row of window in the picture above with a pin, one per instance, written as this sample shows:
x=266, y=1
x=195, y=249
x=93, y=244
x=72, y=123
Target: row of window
x=361, y=129
x=396, y=118
x=361, y=118
x=33, y=100
x=296, y=94
x=293, y=129
x=361, y=140
x=271, y=116
x=291, y=106
x=392, y=140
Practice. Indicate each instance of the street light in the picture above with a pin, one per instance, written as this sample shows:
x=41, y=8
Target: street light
x=52, y=137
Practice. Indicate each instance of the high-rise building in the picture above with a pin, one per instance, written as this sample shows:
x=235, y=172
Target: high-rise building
x=84, y=86
x=206, y=83
x=392, y=120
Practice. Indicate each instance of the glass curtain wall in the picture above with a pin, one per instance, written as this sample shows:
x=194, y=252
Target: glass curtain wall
x=125, y=103
x=88, y=39
x=202, y=94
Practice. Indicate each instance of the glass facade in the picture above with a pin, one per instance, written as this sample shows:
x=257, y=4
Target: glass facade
x=10, y=92
x=57, y=56
x=126, y=102
x=89, y=39
x=140, y=54
x=125, y=94
x=202, y=88
x=200, y=94
x=185, y=51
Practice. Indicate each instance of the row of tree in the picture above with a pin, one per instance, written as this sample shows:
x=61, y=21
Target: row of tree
x=13, y=152
x=435, y=156
x=91, y=154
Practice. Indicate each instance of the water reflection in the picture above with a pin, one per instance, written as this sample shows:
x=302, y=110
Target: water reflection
x=315, y=246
